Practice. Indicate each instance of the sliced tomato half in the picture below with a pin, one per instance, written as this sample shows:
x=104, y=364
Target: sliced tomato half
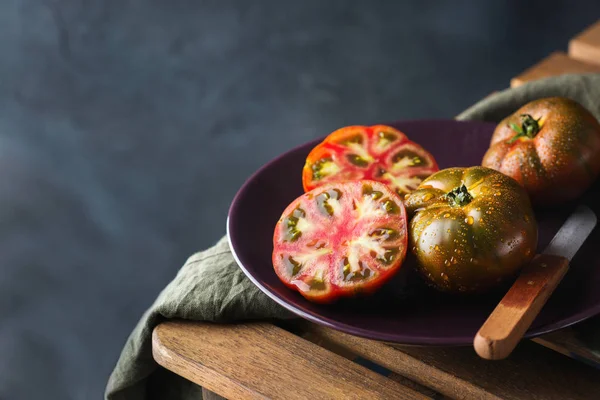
x=377, y=152
x=341, y=239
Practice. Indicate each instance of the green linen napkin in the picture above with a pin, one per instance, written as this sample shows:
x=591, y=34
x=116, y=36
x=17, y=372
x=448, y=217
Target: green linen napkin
x=211, y=287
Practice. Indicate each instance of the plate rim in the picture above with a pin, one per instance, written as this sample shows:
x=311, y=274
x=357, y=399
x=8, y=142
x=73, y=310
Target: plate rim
x=397, y=338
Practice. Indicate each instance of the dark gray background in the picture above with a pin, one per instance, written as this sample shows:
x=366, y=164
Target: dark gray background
x=127, y=126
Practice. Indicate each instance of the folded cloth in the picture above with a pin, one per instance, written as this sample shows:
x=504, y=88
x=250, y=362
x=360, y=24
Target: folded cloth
x=211, y=287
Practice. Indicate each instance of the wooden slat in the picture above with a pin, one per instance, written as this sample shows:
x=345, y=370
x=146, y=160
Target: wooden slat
x=259, y=360
x=586, y=46
x=557, y=63
x=531, y=372
x=350, y=354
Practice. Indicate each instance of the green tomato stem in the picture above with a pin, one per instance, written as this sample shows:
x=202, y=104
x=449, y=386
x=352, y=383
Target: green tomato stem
x=529, y=128
x=459, y=196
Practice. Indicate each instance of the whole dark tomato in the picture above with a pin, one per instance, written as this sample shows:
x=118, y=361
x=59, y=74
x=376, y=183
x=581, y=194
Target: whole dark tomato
x=377, y=152
x=471, y=228
x=341, y=239
x=550, y=146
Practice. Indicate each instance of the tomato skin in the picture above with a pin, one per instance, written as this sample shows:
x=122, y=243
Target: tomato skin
x=333, y=236
x=560, y=162
x=368, y=152
x=475, y=246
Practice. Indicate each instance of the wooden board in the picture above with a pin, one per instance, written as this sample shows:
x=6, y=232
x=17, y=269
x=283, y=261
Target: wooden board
x=260, y=360
x=531, y=372
x=586, y=46
x=557, y=63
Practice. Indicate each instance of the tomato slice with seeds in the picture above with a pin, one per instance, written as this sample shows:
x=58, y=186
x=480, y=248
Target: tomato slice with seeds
x=340, y=239
x=377, y=152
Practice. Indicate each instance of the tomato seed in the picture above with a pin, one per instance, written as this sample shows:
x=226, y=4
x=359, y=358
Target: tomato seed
x=293, y=235
x=353, y=139
x=345, y=267
x=299, y=213
x=358, y=276
x=376, y=195
x=317, y=284
x=390, y=207
x=390, y=137
x=368, y=191
x=389, y=255
x=384, y=233
x=324, y=206
x=354, y=276
x=357, y=160
x=318, y=166
x=291, y=222
x=408, y=155
x=292, y=265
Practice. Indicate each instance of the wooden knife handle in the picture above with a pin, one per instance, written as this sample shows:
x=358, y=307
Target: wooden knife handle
x=511, y=318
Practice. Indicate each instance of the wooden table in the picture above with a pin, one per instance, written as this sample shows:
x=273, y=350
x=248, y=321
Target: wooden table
x=301, y=360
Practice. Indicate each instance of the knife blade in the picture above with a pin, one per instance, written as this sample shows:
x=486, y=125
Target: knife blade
x=573, y=233
x=512, y=317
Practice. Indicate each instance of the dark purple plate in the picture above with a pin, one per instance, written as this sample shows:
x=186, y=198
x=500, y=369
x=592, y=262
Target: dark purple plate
x=404, y=310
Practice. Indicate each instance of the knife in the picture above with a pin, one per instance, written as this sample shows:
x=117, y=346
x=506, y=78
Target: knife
x=511, y=318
